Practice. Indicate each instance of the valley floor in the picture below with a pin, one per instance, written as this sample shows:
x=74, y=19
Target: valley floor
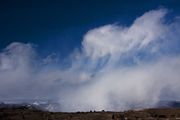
x=148, y=114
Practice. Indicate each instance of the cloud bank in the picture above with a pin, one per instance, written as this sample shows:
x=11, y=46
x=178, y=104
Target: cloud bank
x=117, y=68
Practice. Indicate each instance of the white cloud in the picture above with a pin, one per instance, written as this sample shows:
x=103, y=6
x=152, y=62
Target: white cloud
x=101, y=76
x=116, y=40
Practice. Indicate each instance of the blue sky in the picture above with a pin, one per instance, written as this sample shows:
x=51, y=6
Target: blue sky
x=59, y=25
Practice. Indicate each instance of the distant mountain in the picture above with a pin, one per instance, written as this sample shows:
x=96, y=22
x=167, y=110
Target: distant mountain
x=168, y=104
x=44, y=106
x=55, y=107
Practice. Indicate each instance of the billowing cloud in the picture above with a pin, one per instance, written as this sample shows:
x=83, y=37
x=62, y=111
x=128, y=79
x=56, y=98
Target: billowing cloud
x=117, y=68
x=117, y=40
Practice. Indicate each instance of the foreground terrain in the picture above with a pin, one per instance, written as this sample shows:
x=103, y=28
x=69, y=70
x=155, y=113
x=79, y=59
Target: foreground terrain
x=24, y=113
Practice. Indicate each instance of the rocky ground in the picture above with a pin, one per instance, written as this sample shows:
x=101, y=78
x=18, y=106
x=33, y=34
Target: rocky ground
x=23, y=113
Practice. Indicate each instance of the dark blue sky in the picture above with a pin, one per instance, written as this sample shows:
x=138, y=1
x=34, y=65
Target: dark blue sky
x=58, y=26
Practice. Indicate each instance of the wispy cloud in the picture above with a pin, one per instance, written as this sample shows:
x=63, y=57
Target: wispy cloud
x=117, y=68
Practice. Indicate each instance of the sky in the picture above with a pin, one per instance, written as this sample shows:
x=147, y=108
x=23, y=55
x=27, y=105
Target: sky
x=90, y=55
x=59, y=25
